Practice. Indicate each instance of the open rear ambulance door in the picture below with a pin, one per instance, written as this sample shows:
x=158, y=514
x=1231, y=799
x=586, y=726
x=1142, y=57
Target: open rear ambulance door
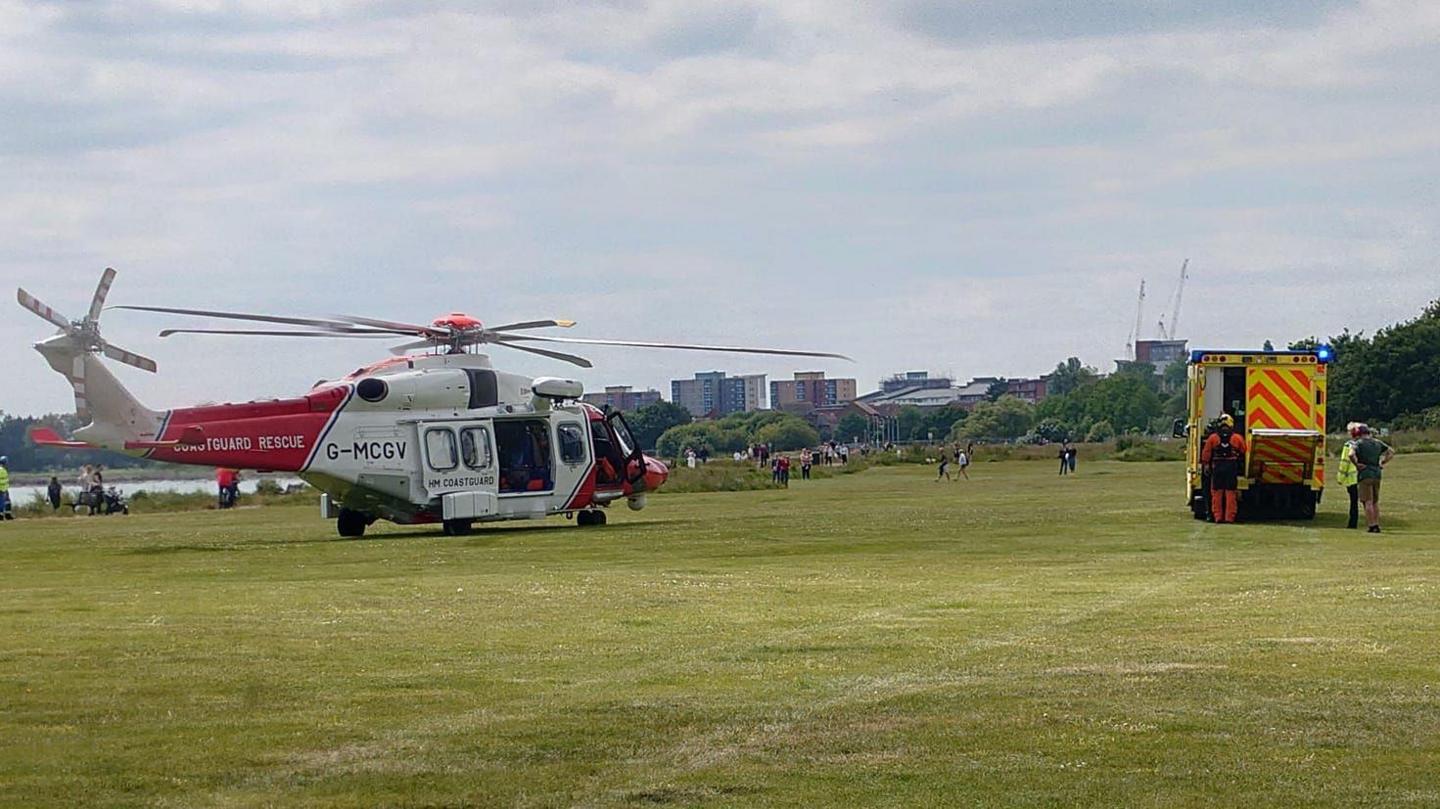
x=1282, y=457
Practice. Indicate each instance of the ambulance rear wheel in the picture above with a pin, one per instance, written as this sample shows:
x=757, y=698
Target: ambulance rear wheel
x=456, y=528
x=351, y=523
x=1198, y=506
x=590, y=518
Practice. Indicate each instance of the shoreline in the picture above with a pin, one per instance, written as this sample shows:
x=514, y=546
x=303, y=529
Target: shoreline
x=139, y=474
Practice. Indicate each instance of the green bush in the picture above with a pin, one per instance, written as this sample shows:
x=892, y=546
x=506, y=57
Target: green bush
x=1100, y=431
x=268, y=487
x=1149, y=451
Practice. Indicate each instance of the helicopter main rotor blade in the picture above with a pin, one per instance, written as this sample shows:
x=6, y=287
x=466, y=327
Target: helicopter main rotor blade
x=277, y=333
x=570, y=358
x=394, y=325
x=404, y=347
x=291, y=321
x=787, y=352
x=33, y=304
x=129, y=358
x=101, y=290
x=532, y=324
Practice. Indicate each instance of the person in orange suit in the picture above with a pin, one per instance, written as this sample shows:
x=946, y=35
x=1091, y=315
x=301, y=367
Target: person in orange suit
x=1224, y=455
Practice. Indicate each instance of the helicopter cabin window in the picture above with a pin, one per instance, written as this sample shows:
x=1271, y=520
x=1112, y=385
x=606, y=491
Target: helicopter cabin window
x=525, y=455
x=440, y=449
x=484, y=388
x=572, y=442
x=475, y=447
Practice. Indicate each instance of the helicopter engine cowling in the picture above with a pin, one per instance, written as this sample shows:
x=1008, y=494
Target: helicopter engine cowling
x=440, y=389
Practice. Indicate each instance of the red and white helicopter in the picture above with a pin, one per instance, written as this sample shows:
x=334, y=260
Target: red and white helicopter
x=440, y=436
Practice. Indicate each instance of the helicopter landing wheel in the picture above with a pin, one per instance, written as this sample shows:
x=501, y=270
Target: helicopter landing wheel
x=592, y=517
x=352, y=523
x=455, y=528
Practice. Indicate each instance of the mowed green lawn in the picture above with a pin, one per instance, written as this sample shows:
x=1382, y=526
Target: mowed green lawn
x=1017, y=639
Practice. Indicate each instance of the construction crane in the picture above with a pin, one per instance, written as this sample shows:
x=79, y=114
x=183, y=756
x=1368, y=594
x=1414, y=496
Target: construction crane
x=1131, y=345
x=1174, y=330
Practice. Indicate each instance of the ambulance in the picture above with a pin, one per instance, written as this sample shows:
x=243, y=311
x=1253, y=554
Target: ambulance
x=1277, y=399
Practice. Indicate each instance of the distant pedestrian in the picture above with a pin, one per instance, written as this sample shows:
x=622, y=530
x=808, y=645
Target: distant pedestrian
x=1065, y=457
x=1073, y=454
x=962, y=460
x=806, y=459
x=224, y=480
x=97, y=488
x=944, y=467
x=1370, y=455
x=5, y=512
x=1347, y=475
x=784, y=463
x=53, y=493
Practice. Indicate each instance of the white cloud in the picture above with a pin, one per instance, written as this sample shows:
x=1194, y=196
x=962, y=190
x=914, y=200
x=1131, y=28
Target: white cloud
x=974, y=188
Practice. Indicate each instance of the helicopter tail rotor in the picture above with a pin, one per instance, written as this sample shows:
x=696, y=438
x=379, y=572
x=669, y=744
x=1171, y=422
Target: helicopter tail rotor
x=85, y=333
x=72, y=352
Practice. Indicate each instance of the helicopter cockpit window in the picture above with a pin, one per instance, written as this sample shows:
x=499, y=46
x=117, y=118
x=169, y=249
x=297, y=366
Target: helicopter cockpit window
x=525, y=455
x=475, y=447
x=440, y=449
x=572, y=443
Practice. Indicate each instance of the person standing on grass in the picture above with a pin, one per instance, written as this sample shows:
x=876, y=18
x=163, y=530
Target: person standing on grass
x=944, y=466
x=1348, y=476
x=806, y=459
x=97, y=488
x=784, y=462
x=52, y=492
x=1065, y=457
x=962, y=460
x=1224, y=454
x=5, y=512
x=1074, y=453
x=222, y=486
x=1370, y=455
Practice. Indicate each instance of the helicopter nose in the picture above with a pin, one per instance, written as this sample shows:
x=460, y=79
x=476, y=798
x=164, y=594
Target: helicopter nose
x=656, y=473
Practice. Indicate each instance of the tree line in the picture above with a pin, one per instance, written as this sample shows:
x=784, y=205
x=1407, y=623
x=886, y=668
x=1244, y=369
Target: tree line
x=1391, y=378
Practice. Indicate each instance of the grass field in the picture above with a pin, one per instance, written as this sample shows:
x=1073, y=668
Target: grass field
x=1018, y=639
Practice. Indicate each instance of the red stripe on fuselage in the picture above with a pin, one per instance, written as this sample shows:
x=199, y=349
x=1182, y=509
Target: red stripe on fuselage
x=278, y=435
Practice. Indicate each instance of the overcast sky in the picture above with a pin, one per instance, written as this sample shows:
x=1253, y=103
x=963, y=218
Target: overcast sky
x=974, y=188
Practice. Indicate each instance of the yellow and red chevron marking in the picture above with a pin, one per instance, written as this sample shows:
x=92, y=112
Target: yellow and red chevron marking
x=1276, y=459
x=1279, y=398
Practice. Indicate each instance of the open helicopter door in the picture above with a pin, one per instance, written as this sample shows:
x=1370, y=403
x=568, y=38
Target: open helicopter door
x=459, y=468
x=633, y=471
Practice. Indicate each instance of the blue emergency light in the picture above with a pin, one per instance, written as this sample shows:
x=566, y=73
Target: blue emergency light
x=1324, y=353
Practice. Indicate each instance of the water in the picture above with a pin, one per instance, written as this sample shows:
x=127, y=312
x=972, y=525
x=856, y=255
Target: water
x=23, y=495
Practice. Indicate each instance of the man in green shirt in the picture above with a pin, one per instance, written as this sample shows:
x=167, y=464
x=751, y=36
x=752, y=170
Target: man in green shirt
x=1370, y=455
